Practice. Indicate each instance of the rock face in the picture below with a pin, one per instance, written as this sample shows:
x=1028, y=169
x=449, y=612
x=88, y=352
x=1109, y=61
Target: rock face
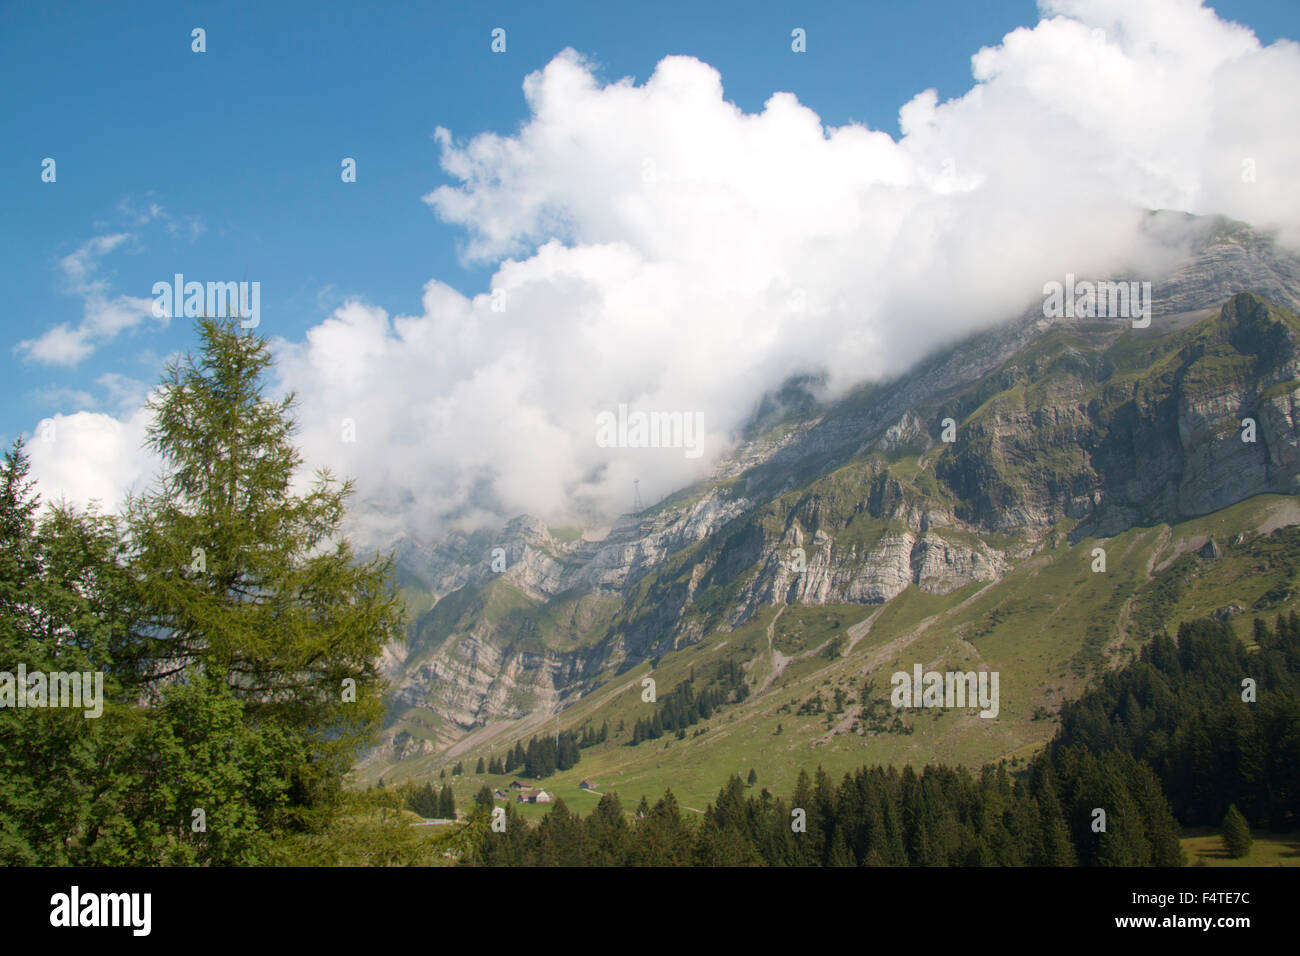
x=1088, y=422
x=1228, y=257
x=1185, y=432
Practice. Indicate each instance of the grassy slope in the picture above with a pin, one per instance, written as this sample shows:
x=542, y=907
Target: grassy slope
x=1205, y=848
x=1046, y=627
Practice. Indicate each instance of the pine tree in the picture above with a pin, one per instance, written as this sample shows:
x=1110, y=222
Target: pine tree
x=839, y=852
x=608, y=837
x=810, y=842
x=1124, y=842
x=20, y=569
x=1052, y=845
x=779, y=843
x=1236, y=833
x=662, y=838
x=424, y=801
x=447, y=803
x=560, y=837
x=753, y=777
x=1161, y=829
x=480, y=769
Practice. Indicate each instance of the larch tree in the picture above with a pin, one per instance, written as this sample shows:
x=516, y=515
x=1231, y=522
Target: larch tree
x=248, y=581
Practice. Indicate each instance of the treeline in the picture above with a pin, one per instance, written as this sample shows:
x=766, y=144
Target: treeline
x=432, y=804
x=542, y=757
x=1180, y=709
x=686, y=706
x=942, y=816
x=1165, y=738
x=591, y=737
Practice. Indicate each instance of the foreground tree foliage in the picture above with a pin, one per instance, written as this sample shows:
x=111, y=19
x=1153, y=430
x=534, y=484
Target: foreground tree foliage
x=374, y=828
x=236, y=631
x=63, y=606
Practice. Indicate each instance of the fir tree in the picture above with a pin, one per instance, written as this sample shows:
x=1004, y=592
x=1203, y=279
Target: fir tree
x=560, y=838
x=1052, y=844
x=608, y=837
x=1236, y=833
x=424, y=801
x=662, y=838
x=839, y=852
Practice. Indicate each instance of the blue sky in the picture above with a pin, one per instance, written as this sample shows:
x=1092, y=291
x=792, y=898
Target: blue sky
x=225, y=165
x=244, y=141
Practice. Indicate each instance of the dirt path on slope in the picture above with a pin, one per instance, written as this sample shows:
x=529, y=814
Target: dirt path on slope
x=860, y=630
x=778, y=660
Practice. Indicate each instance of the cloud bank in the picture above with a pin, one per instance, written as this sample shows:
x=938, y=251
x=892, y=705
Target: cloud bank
x=659, y=248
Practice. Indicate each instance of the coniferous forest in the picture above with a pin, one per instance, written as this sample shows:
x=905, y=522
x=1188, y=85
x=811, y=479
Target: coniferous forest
x=687, y=705
x=1167, y=739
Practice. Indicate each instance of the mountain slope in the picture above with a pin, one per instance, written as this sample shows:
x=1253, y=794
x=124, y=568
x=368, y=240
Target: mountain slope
x=846, y=540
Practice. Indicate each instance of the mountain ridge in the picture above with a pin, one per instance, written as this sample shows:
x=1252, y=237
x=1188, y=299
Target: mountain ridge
x=1064, y=431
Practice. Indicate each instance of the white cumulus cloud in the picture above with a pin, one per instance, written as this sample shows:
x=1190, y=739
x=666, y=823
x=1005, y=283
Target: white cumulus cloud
x=656, y=246
x=90, y=457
